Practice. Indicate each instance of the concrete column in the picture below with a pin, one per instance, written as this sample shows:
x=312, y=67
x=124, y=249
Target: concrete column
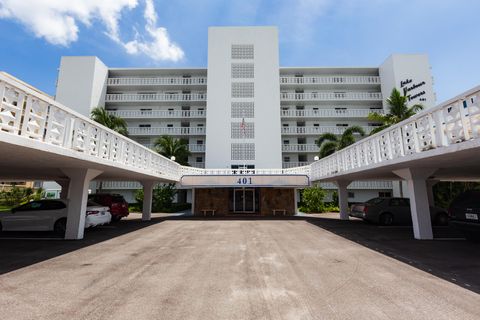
x=343, y=198
x=64, y=184
x=147, y=199
x=77, y=200
x=431, y=197
x=419, y=206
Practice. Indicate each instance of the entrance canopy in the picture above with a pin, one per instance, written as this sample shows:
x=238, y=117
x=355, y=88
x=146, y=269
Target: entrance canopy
x=214, y=181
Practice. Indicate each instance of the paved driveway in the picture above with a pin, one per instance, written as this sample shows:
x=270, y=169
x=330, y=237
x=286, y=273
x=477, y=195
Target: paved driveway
x=219, y=269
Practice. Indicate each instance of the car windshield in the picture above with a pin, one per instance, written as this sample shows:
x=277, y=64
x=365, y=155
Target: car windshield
x=375, y=201
x=118, y=199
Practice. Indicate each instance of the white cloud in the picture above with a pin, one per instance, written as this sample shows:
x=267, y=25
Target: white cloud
x=57, y=21
x=160, y=47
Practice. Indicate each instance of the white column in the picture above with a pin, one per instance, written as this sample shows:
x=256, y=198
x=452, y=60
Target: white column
x=64, y=184
x=147, y=199
x=419, y=206
x=77, y=200
x=343, y=198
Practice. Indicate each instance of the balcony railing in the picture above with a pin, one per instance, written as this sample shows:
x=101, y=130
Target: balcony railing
x=300, y=148
x=319, y=130
x=448, y=124
x=157, y=81
x=330, y=80
x=153, y=97
x=195, y=148
x=372, y=185
x=329, y=113
x=331, y=96
x=287, y=165
x=159, y=131
x=132, y=114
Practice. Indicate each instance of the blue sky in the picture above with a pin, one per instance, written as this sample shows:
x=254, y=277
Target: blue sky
x=164, y=33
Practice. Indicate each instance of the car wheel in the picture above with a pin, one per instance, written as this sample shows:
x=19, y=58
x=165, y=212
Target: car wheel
x=386, y=219
x=441, y=219
x=60, y=226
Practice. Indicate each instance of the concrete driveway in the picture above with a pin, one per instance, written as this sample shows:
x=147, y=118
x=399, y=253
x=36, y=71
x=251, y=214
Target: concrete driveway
x=315, y=268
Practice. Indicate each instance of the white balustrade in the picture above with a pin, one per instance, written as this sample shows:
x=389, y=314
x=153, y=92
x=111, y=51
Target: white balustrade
x=314, y=80
x=30, y=114
x=158, y=131
x=151, y=114
x=454, y=121
x=287, y=165
x=294, y=130
x=155, y=81
x=145, y=97
x=329, y=113
x=361, y=185
x=330, y=96
x=300, y=148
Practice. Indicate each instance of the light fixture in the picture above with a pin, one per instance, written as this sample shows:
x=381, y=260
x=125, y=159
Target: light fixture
x=316, y=158
x=172, y=158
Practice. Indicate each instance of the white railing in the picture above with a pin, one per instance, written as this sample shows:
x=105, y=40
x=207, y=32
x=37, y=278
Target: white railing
x=287, y=165
x=145, y=97
x=135, y=81
x=197, y=171
x=131, y=114
x=32, y=115
x=196, y=147
x=360, y=185
x=452, y=122
x=158, y=131
x=293, y=130
x=330, y=96
x=121, y=185
x=329, y=113
x=330, y=80
x=300, y=148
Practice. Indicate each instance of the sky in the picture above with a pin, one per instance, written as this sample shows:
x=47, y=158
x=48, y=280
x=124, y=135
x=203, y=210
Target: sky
x=35, y=34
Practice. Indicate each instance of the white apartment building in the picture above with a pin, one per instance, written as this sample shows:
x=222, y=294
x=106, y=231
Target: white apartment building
x=244, y=110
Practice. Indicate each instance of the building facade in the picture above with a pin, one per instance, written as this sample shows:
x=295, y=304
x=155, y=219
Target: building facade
x=244, y=110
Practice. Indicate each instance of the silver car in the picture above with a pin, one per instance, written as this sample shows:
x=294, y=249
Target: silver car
x=49, y=215
x=388, y=211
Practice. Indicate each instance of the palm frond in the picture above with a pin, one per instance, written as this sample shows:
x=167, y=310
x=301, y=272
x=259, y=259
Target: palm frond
x=327, y=148
x=326, y=137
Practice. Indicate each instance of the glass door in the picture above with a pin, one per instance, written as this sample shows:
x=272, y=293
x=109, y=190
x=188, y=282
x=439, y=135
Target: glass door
x=244, y=200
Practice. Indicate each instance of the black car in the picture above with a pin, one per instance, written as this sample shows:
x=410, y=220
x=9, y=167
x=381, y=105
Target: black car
x=464, y=214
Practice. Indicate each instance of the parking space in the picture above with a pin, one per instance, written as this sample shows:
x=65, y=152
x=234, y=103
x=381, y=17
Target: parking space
x=314, y=267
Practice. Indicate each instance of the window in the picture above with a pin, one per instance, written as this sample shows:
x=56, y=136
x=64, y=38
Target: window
x=169, y=125
x=342, y=124
x=285, y=125
x=243, y=151
x=34, y=205
x=243, y=90
x=351, y=194
x=242, y=51
x=286, y=141
x=198, y=159
x=302, y=158
x=384, y=194
x=242, y=70
x=199, y=142
x=286, y=159
x=243, y=110
x=199, y=125
x=399, y=202
x=145, y=125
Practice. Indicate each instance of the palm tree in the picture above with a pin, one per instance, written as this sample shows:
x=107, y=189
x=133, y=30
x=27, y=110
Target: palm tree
x=100, y=115
x=399, y=111
x=171, y=147
x=329, y=142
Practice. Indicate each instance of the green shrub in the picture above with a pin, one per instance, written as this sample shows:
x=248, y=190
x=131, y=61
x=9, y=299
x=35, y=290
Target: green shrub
x=312, y=199
x=162, y=199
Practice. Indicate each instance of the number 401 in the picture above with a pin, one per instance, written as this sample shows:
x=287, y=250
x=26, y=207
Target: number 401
x=244, y=181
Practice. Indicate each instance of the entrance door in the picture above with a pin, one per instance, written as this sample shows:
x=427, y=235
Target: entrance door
x=244, y=200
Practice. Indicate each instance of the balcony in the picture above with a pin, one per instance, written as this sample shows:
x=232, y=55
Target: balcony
x=172, y=131
x=155, y=97
x=330, y=80
x=162, y=114
x=329, y=113
x=331, y=96
x=193, y=148
x=300, y=148
x=319, y=130
x=157, y=81
x=287, y=165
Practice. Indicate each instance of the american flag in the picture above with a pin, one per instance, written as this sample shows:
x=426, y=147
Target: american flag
x=242, y=126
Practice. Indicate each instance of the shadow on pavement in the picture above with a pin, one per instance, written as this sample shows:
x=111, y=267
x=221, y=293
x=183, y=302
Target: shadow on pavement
x=449, y=256
x=21, y=249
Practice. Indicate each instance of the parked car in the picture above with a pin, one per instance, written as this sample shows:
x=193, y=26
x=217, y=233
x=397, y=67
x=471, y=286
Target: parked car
x=464, y=214
x=49, y=215
x=388, y=211
x=117, y=204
